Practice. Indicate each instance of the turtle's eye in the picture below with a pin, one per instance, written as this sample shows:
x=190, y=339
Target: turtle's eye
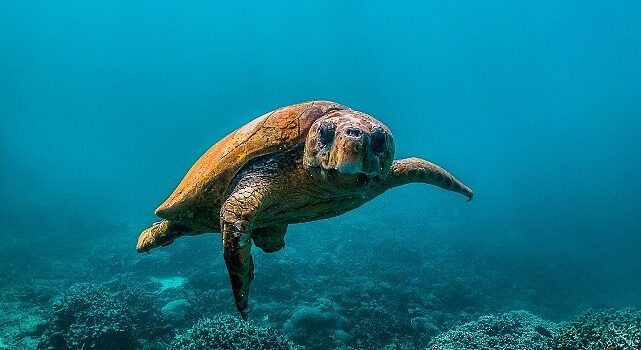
x=378, y=141
x=326, y=134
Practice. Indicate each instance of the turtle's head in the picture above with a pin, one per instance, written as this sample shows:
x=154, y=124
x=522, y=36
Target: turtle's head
x=349, y=148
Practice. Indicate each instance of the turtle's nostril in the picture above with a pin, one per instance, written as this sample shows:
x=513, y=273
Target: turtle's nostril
x=379, y=140
x=353, y=132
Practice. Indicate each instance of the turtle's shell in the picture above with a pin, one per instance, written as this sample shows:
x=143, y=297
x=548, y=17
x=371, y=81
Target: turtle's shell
x=201, y=191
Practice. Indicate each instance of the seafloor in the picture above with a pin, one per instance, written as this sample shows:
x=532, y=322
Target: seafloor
x=358, y=285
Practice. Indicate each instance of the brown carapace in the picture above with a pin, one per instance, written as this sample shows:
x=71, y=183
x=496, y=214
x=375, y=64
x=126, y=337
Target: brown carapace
x=299, y=163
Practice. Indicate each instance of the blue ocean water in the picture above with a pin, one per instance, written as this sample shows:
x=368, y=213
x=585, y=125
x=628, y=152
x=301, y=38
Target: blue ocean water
x=534, y=105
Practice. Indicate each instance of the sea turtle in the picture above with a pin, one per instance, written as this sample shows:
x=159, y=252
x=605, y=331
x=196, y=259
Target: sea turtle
x=299, y=163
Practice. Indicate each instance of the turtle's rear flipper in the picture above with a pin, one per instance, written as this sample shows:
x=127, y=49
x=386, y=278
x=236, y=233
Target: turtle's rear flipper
x=160, y=234
x=271, y=238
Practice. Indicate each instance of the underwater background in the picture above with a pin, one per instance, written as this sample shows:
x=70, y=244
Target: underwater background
x=535, y=105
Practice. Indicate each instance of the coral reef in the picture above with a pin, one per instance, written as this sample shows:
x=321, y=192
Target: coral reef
x=320, y=292
x=317, y=322
x=226, y=332
x=107, y=316
x=608, y=329
x=20, y=326
x=516, y=330
x=176, y=309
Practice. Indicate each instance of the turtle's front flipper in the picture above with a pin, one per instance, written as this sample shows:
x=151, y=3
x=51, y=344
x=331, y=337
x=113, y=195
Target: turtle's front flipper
x=410, y=170
x=236, y=217
x=271, y=238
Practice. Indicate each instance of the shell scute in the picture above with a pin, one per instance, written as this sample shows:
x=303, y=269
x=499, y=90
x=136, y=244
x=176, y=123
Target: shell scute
x=206, y=181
